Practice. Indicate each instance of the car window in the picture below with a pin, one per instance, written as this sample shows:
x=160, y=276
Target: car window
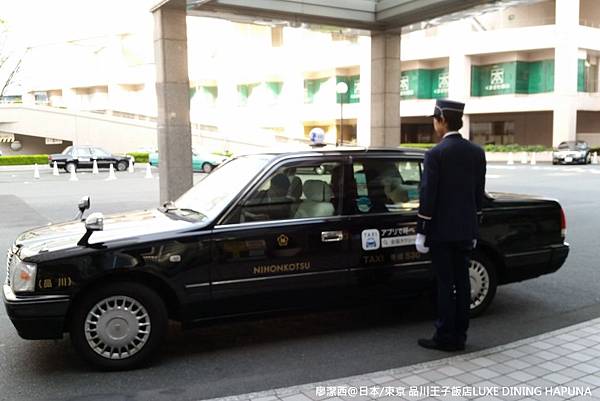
x=294, y=191
x=213, y=193
x=99, y=152
x=67, y=150
x=386, y=185
x=82, y=152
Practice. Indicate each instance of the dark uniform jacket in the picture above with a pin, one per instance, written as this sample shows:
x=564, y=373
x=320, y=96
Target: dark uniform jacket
x=452, y=190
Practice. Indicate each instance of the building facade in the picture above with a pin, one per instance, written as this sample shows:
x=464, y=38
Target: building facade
x=528, y=74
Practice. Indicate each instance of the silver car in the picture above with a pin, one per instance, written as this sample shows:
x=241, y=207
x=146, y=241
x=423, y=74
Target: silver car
x=572, y=152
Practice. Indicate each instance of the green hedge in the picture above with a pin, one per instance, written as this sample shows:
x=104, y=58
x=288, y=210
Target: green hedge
x=418, y=145
x=19, y=160
x=488, y=148
x=140, y=157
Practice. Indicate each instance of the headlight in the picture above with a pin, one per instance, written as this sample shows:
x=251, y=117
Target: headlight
x=22, y=276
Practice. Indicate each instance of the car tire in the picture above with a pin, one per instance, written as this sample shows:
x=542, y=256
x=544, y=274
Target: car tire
x=554, y=163
x=484, y=282
x=122, y=165
x=118, y=326
x=207, y=167
x=70, y=166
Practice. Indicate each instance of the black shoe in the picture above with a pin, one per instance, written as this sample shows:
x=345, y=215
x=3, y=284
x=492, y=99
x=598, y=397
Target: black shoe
x=433, y=344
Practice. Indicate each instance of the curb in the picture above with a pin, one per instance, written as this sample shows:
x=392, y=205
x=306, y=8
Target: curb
x=288, y=391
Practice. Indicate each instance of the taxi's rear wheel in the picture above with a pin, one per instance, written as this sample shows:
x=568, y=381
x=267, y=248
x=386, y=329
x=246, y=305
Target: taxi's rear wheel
x=482, y=275
x=119, y=326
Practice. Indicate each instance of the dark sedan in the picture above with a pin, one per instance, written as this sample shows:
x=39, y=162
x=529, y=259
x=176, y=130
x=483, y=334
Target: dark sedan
x=262, y=233
x=572, y=152
x=77, y=157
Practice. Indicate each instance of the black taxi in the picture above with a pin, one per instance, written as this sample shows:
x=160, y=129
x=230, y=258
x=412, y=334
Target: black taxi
x=262, y=233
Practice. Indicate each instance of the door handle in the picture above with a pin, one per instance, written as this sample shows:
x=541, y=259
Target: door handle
x=332, y=236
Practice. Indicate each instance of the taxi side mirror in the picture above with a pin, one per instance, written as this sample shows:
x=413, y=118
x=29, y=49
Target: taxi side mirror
x=84, y=204
x=94, y=222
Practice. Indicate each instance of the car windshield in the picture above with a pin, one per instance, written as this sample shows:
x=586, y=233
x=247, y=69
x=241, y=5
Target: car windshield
x=572, y=145
x=211, y=195
x=67, y=150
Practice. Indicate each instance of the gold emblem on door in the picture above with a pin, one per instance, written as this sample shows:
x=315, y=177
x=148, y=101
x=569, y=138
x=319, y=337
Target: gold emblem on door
x=282, y=240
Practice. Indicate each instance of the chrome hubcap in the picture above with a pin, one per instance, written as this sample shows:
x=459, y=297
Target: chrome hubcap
x=480, y=283
x=117, y=327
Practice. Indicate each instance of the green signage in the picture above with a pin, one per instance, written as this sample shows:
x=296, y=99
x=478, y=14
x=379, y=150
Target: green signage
x=424, y=84
x=581, y=76
x=512, y=77
x=353, y=94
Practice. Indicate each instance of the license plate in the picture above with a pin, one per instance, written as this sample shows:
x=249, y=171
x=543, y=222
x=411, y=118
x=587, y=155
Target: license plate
x=568, y=159
x=84, y=159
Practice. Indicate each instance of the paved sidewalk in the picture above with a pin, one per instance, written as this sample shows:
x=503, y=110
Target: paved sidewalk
x=560, y=365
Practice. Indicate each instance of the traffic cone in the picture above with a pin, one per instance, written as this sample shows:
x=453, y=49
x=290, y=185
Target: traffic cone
x=524, y=158
x=95, y=167
x=148, y=171
x=54, y=168
x=36, y=172
x=73, y=175
x=111, y=173
x=131, y=169
x=595, y=158
x=511, y=159
x=533, y=159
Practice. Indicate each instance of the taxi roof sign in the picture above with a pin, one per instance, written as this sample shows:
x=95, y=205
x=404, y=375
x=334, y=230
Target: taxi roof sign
x=317, y=137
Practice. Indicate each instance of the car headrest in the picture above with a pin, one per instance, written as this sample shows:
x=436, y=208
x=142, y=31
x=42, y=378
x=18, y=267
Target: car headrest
x=317, y=191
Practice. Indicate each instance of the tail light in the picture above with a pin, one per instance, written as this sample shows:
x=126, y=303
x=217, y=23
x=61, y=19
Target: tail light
x=563, y=223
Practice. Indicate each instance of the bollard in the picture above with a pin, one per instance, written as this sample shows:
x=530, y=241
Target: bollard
x=148, y=171
x=36, y=172
x=511, y=159
x=111, y=173
x=524, y=158
x=131, y=168
x=73, y=176
x=95, y=167
x=54, y=168
x=533, y=162
x=595, y=158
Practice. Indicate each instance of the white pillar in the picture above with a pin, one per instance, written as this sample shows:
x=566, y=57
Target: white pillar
x=565, y=72
x=363, y=124
x=385, y=89
x=292, y=96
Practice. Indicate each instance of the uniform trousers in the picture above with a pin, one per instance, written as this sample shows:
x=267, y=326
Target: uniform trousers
x=450, y=262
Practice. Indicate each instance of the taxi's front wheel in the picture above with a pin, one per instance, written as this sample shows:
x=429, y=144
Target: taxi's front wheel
x=119, y=326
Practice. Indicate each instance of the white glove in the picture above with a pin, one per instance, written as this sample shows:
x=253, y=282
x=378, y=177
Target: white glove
x=420, y=244
x=474, y=243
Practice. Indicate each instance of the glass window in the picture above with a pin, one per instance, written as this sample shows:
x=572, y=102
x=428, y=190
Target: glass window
x=99, y=152
x=294, y=191
x=213, y=193
x=386, y=185
x=82, y=152
x=68, y=150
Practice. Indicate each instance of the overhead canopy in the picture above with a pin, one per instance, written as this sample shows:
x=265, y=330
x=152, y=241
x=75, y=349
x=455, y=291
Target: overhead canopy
x=360, y=14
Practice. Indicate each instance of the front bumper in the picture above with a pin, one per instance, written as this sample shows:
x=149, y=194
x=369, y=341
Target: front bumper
x=37, y=317
x=573, y=159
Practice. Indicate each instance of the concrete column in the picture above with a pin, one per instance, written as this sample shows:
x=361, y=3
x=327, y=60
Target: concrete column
x=385, y=89
x=363, y=123
x=565, y=72
x=172, y=89
x=459, y=85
